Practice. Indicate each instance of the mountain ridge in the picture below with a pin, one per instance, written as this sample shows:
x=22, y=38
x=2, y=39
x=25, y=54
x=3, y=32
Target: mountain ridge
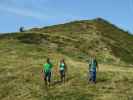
x=110, y=43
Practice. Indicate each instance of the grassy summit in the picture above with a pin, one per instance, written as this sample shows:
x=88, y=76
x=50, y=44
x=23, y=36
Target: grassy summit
x=22, y=56
x=98, y=35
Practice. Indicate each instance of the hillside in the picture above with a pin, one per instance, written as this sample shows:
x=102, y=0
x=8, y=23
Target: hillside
x=81, y=38
x=22, y=56
x=98, y=35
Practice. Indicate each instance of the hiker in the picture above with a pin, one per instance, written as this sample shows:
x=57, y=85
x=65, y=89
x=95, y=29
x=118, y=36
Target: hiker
x=62, y=70
x=21, y=29
x=93, y=67
x=47, y=67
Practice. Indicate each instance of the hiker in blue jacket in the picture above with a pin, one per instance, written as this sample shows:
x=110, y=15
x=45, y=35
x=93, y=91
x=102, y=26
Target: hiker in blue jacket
x=93, y=67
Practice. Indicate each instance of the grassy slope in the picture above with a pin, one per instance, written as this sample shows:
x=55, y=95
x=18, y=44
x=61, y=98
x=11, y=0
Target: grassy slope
x=22, y=56
x=20, y=78
x=97, y=35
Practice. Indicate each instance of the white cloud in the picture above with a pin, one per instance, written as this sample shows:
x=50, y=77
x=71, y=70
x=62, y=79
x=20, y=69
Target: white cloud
x=24, y=12
x=37, y=10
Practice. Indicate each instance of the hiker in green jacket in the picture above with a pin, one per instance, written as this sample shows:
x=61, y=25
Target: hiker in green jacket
x=47, y=67
x=93, y=66
x=62, y=70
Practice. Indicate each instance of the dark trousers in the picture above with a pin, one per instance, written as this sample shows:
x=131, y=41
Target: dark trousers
x=47, y=77
x=62, y=75
x=92, y=76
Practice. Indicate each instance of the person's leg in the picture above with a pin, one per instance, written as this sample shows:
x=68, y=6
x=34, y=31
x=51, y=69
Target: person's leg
x=94, y=76
x=49, y=78
x=45, y=78
x=61, y=75
x=90, y=76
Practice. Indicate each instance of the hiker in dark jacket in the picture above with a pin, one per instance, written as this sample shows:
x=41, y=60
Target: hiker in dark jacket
x=21, y=29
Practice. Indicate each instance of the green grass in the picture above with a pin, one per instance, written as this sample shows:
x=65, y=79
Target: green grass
x=21, y=80
x=23, y=54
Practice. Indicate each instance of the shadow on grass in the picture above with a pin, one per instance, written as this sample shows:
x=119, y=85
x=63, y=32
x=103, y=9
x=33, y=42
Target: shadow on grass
x=104, y=77
x=58, y=82
x=32, y=38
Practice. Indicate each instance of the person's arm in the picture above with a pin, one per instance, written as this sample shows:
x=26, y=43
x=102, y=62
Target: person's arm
x=42, y=71
x=65, y=67
x=97, y=65
x=89, y=66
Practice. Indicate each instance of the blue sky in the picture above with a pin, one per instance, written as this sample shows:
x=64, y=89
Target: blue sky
x=39, y=13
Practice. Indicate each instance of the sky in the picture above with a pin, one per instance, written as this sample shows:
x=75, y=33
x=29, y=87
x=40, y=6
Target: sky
x=40, y=13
